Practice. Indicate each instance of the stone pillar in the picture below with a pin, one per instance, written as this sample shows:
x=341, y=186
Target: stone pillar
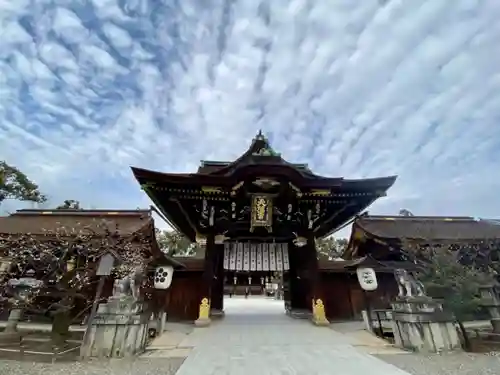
x=421, y=325
x=208, y=275
x=15, y=316
x=119, y=329
x=10, y=333
x=491, y=302
x=162, y=322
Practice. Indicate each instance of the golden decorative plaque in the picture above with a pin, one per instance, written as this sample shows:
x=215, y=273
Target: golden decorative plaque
x=262, y=212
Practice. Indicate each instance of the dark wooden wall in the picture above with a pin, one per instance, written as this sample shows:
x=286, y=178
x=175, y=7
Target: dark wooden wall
x=336, y=295
x=182, y=300
x=344, y=299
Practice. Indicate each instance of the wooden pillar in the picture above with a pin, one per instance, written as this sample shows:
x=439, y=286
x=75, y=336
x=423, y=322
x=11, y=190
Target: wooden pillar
x=296, y=282
x=217, y=304
x=208, y=276
x=318, y=306
x=314, y=276
x=299, y=283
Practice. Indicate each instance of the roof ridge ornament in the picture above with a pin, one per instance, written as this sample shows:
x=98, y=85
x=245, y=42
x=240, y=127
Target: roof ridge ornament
x=260, y=136
x=266, y=150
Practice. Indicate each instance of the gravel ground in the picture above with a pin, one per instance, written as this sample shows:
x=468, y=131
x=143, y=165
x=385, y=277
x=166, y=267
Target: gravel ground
x=415, y=364
x=445, y=364
x=139, y=366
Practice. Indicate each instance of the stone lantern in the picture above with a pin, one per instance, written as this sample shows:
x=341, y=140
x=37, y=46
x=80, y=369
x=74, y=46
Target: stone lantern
x=22, y=290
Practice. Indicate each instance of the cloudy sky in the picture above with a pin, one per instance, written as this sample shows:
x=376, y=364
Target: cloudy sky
x=354, y=88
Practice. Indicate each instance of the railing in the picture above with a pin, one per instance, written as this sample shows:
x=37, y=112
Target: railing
x=24, y=346
x=379, y=317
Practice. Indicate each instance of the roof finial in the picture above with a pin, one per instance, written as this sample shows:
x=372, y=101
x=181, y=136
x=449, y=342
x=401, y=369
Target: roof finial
x=265, y=148
x=260, y=135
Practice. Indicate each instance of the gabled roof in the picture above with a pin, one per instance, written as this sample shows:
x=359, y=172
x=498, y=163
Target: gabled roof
x=176, y=194
x=125, y=222
x=260, y=151
x=365, y=261
x=428, y=228
x=38, y=222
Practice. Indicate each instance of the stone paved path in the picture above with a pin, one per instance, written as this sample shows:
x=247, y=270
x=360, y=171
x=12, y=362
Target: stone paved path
x=256, y=337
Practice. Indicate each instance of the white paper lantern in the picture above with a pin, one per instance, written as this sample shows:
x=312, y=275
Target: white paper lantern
x=163, y=277
x=367, y=278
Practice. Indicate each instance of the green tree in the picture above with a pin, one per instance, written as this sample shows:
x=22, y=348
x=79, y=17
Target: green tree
x=331, y=247
x=174, y=243
x=69, y=204
x=14, y=184
x=446, y=277
x=405, y=212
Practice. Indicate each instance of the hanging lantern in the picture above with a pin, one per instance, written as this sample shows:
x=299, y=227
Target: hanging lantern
x=367, y=278
x=163, y=277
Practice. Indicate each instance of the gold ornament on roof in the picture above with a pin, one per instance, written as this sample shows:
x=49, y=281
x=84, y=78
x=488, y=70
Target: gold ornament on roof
x=320, y=192
x=211, y=189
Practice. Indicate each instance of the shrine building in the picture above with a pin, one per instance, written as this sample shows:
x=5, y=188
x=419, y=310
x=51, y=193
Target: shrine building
x=258, y=217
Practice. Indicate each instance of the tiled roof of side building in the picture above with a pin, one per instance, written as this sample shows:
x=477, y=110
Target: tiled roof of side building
x=125, y=222
x=460, y=228
x=41, y=221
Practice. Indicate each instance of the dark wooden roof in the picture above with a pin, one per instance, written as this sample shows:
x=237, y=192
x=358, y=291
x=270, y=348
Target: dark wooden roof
x=428, y=228
x=191, y=263
x=179, y=196
x=126, y=222
x=350, y=265
x=163, y=259
x=260, y=157
x=175, y=195
x=260, y=151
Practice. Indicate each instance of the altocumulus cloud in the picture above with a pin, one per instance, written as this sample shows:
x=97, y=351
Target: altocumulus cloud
x=354, y=88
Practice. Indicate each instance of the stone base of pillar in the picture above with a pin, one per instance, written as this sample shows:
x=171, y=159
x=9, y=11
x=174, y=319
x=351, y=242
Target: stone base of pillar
x=217, y=314
x=120, y=329
x=161, y=323
x=421, y=325
x=202, y=322
x=320, y=322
